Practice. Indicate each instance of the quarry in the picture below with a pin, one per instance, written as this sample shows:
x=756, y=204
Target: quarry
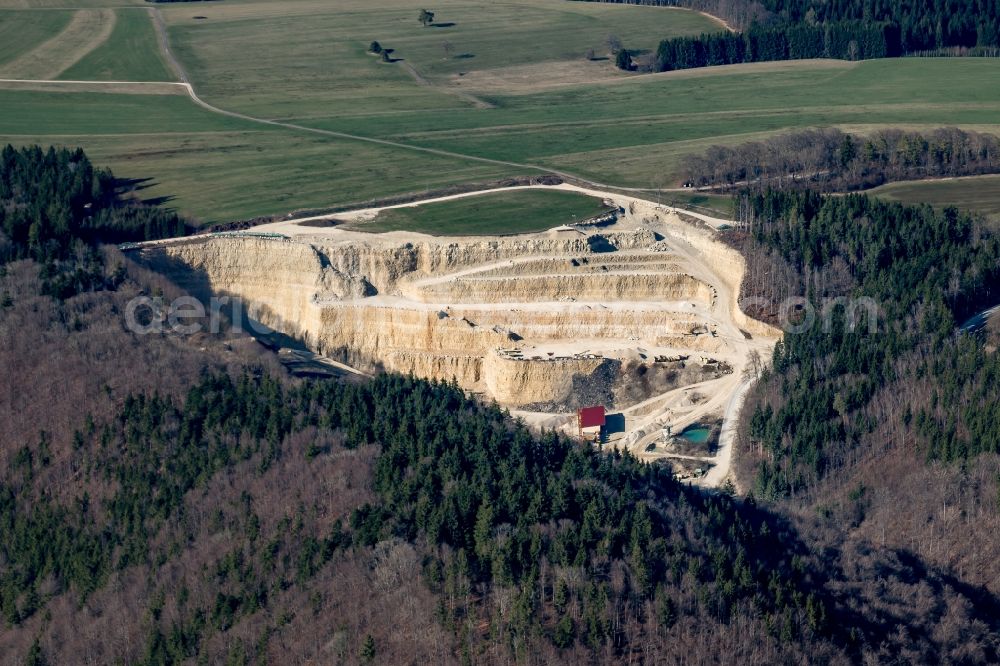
x=636, y=311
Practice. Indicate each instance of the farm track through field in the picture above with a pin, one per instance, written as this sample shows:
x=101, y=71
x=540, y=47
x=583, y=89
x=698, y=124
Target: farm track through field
x=88, y=29
x=421, y=80
x=185, y=81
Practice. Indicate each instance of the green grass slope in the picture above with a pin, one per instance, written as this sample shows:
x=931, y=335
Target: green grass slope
x=624, y=132
x=500, y=213
x=980, y=194
x=22, y=30
x=130, y=54
x=310, y=57
x=218, y=168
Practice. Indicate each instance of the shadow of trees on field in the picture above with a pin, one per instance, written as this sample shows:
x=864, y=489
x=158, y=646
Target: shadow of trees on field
x=124, y=187
x=158, y=201
x=133, y=184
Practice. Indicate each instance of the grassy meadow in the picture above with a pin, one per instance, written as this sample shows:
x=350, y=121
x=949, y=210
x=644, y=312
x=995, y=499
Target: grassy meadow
x=69, y=4
x=980, y=194
x=501, y=81
x=499, y=213
x=311, y=56
x=636, y=130
x=218, y=167
x=129, y=54
x=23, y=30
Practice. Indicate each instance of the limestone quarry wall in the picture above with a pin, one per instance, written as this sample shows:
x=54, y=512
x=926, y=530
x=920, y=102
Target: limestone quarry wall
x=384, y=304
x=385, y=263
x=583, y=322
x=279, y=279
x=463, y=368
x=730, y=266
x=590, y=287
x=406, y=340
x=523, y=381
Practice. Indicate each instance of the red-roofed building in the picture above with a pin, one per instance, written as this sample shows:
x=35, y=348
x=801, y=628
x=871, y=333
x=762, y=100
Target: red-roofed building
x=590, y=420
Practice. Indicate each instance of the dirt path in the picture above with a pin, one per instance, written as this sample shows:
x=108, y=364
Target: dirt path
x=422, y=81
x=164, y=42
x=88, y=29
x=718, y=20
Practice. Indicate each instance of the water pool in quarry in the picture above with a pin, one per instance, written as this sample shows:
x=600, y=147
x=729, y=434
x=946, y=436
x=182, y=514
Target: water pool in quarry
x=696, y=434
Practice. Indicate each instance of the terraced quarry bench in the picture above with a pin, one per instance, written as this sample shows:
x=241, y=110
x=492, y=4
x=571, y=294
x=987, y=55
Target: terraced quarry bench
x=544, y=321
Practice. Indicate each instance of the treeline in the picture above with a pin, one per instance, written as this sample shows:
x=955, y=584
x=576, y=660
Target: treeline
x=832, y=160
x=896, y=362
x=842, y=40
x=843, y=29
x=55, y=207
x=923, y=25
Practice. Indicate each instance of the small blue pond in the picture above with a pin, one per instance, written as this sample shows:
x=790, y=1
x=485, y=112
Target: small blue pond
x=696, y=434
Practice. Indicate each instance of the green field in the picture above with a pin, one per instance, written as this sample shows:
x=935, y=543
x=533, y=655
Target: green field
x=549, y=106
x=980, y=194
x=512, y=86
x=130, y=53
x=499, y=213
x=310, y=56
x=21, y=31
x=716, y=205
x=223, y=168
x=95, y=114
x=625, y=133
x=68, y=4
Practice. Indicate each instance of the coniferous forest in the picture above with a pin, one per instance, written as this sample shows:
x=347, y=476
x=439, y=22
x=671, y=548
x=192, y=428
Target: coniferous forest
x=181, y=499
x=765, y=30
x=924, y=272
x=55, y=208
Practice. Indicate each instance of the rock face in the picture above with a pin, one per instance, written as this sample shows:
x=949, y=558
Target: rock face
x=512, y=379
x=526, y=319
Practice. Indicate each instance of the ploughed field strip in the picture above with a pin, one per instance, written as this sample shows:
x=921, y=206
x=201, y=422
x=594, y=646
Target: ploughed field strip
x=635, y=314
x=88, y=29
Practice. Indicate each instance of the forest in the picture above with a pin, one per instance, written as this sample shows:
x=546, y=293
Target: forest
x=926, y=271
x=831, y=160
x=767, y=30
x=55, y=208
x=887, y=434
x=171, y=498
